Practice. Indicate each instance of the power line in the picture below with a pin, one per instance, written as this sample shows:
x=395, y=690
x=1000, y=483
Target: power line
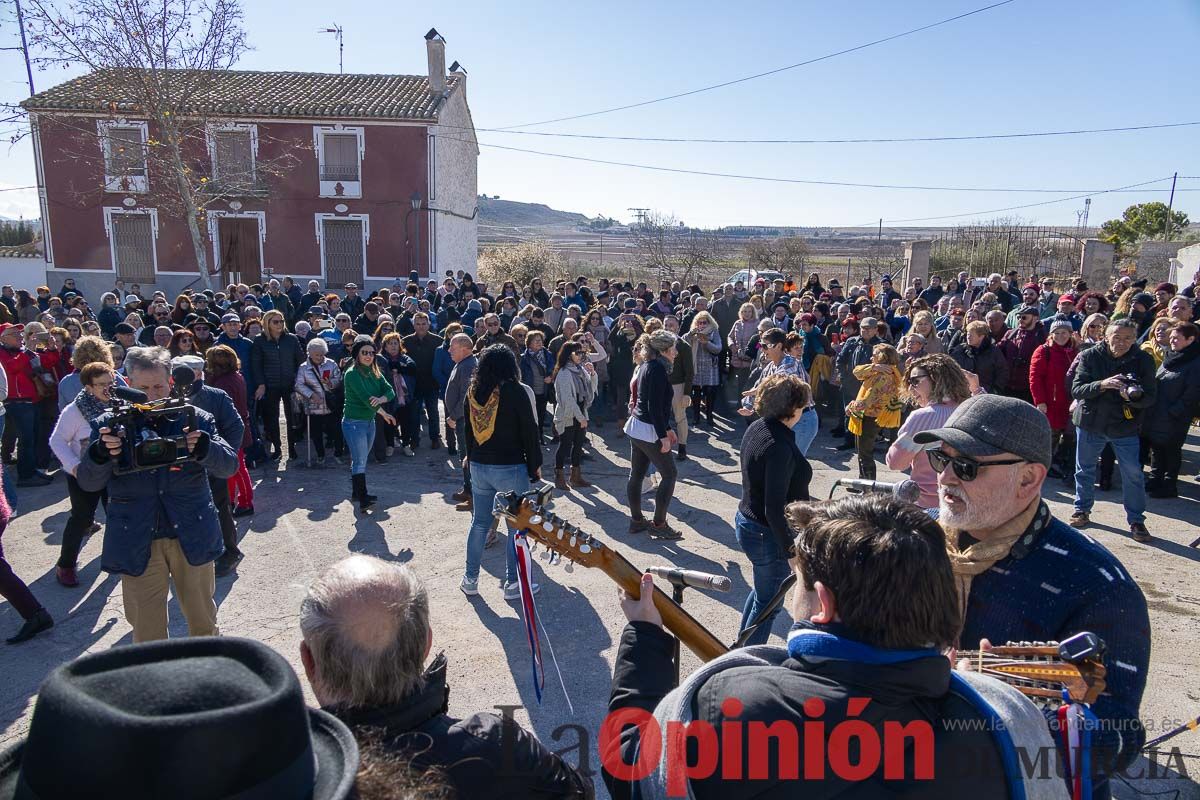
x=804, y=181
x=881, y=140
x=776, y=71
x=16, y=188
x=1132, y=186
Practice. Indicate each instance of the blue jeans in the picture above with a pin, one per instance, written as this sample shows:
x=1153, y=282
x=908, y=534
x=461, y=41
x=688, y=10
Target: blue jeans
x=9, y=488
x=486, y=481
x=425, y=403
x=769, y=569
x=1133, y=483
x=806, y=430
x=359, y=435
x=25, y=417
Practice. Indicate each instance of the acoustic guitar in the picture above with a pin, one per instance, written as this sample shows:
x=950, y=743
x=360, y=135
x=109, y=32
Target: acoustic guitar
x=1039, y=670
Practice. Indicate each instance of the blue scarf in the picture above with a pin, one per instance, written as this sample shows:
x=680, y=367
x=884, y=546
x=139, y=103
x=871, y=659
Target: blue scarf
x=807, y=640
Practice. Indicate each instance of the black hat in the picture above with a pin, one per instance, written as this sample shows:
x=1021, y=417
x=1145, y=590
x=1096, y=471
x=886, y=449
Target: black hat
x=360, y=342
x=990, y=424
x=205, y=717
x=125, y=327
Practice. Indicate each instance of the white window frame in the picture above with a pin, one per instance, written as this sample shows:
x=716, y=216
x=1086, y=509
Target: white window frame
x=214, y=233
x=112, y=211
x=138, y=184
x=210, y=135
x=352, y=189
x=366, y=234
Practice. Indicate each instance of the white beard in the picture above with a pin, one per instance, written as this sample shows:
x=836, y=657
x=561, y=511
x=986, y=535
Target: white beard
x=981, y=514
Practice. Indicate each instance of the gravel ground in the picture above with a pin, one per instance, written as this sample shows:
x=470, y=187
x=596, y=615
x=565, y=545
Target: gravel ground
x=305, y=522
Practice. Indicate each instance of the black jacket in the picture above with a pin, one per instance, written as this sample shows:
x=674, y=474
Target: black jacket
x=516, y=438
x=1178, y=400
x=422, y=351
x=854, y=353
x=986, y=361
x=273, y=363
x=655, y=398
x=481, y=756
x=1103, y=411
x=903, y=693
x=774, y=474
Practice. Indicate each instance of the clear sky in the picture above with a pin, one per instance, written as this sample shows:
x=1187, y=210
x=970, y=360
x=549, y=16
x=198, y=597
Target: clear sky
x=1030, y=65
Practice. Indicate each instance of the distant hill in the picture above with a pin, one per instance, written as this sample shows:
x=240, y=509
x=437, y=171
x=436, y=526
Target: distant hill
x=510, y=212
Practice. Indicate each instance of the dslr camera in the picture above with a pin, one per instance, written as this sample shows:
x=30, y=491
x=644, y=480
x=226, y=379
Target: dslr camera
x=146, y=425
x=1133, y=386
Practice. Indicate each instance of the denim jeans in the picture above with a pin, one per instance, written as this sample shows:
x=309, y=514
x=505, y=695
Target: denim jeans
x=359, y=435
x=769, y=569
x=425, y=404
x=806, y=430
x=24, y=418
x=486, y=481
x=1133, y=483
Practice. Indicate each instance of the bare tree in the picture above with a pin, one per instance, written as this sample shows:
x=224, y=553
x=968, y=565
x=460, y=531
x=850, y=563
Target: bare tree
x=788, y=255
x=675, y=252
x=157, y=60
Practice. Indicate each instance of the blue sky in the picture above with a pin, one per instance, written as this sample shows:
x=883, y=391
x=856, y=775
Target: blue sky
x=1025, y=66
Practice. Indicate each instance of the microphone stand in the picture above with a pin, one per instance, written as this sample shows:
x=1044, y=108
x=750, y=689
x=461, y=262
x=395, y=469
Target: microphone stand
x=677, y=596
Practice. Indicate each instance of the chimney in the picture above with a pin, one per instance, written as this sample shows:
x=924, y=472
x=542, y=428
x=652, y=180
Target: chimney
x=435, y=47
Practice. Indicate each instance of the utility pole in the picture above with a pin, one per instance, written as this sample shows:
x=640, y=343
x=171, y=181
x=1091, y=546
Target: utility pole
x=602, y=249
x=25, y=48
x=1170, y=205
x=336, y=30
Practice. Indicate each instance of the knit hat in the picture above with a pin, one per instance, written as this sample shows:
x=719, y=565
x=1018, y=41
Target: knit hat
x=1145, y=298
x=1059, y=324
x=1169, y=288
x=359, y=343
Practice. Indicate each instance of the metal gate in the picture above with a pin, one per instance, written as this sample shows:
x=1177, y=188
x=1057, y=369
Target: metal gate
x=344, y=257
x=133, y=246
x=981, y=250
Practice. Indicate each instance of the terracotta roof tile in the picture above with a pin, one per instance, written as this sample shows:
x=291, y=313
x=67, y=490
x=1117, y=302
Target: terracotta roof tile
x=259, y=94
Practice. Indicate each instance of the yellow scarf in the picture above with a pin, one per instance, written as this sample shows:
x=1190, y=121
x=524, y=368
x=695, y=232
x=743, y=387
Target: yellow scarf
x=983, y=555
x=483, y=417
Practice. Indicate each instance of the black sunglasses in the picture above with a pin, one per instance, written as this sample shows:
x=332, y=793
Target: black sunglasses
x=967, y=469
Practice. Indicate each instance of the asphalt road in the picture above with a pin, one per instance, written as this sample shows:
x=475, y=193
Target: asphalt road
x=305, y=522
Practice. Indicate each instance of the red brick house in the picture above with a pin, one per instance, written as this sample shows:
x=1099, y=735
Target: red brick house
x=361, y=152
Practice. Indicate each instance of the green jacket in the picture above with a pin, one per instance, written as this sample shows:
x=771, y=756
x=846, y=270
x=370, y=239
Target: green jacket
x=360, y=386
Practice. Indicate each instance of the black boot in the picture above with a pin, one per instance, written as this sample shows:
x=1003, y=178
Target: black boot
x=866, y=468
x=40, y=621
x=682, y=456
x=365, y=501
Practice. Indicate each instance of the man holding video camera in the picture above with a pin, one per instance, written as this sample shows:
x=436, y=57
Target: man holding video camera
x=162, y=524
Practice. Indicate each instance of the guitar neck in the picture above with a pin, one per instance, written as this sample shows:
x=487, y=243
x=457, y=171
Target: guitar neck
x=689, y=631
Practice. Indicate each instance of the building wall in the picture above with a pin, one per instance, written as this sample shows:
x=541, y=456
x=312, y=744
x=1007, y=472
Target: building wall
x=455, y=187
x=394, y=165
x=24, y=272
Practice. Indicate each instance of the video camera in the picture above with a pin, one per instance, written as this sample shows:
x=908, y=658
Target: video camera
x=147, y=445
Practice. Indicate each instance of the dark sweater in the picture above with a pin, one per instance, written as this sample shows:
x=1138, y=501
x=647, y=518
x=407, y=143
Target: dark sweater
x=1063, y=583
x=774, y=473
x=654, y=398
x=515, y=439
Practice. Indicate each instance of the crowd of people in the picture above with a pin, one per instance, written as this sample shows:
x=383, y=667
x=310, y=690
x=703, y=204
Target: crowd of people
x=981, y=389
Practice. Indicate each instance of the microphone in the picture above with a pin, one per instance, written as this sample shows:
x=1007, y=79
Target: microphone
x=130, y=395
x=906, y=491
x=690, y=577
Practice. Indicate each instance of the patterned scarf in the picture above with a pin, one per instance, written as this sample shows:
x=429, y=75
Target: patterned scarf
x=483, y=417
x=983, y=555
x=88, y=405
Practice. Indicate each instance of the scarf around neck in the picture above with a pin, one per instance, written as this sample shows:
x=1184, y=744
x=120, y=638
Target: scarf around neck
x=88, y=405
x=483, y=415
x=983, y=555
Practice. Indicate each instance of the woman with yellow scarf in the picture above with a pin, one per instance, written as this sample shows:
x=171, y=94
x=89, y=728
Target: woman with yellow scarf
x=876, y=406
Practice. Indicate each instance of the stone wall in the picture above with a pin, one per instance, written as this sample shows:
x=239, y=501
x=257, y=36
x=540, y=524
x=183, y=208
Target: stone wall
x=454, y=188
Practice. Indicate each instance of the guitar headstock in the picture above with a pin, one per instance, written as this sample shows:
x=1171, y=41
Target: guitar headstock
x=528, y=512
x=1044, y=669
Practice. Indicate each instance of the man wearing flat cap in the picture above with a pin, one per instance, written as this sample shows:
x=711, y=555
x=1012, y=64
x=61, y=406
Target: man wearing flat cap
x=1023, y=575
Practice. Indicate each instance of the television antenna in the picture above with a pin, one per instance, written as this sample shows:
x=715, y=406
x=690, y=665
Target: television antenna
x=336, y=30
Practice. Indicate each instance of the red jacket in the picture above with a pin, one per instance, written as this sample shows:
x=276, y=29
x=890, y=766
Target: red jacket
x=1048, y=382
x=18, y=367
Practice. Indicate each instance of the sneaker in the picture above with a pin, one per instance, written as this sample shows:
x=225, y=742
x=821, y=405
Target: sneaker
x=408, y=451
x=512, y=591
x=243, y=511
x=639, y=525
x=469, y=587
x=389, y=450
x=1079, y=519
x=66, y=576
x=1140, y=534
x=664, y=531
x=95, y=528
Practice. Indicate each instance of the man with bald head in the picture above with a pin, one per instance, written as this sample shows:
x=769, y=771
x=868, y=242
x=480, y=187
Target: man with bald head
x=366, y=638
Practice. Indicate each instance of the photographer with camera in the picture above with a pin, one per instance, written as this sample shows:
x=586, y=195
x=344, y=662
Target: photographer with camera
x=1113, y=383
x=155, y=455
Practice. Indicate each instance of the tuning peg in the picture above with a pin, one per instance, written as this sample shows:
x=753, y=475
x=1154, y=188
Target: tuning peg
x=546, y=555
x=573, y=541
x=560, y=533
x=535, y=520
x=547, y=526
x=584, y=548
x=570, y=566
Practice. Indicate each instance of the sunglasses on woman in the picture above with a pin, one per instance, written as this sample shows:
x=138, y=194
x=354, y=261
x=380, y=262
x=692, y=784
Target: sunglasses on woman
x=967, y=469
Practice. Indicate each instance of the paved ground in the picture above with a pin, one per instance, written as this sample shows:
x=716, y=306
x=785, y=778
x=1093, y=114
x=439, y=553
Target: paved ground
x=305, y=522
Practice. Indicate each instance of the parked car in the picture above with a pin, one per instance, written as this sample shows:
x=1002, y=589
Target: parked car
x=749, y=276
